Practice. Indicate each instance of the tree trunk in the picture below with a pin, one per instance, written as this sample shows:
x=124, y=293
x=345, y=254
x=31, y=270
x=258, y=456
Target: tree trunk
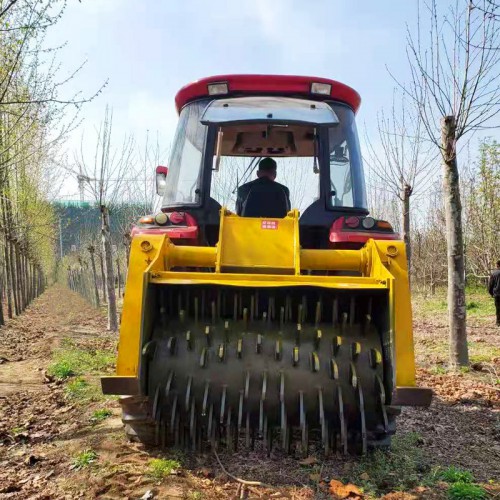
x=94, y=274
x=406, y=192
x=108, y=264
x=119, y=276
x=103, y=276
x=459, y=355
x=8, y=278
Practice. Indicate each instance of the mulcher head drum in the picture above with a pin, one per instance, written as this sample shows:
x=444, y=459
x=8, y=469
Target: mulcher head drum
x=259, y=341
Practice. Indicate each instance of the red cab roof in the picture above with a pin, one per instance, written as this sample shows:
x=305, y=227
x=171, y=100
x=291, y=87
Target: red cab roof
x=268, y=84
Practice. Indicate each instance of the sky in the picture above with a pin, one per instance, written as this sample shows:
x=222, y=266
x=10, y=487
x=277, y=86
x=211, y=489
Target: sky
x=148, y=49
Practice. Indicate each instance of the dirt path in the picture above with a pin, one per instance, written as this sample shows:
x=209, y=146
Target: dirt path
x=44, y=428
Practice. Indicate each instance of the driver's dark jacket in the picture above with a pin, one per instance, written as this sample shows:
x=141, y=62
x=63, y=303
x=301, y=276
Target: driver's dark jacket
x=244, y=190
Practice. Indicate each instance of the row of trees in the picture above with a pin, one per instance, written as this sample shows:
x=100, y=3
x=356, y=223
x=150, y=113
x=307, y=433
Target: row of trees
x=31, y=125
x=453, y=92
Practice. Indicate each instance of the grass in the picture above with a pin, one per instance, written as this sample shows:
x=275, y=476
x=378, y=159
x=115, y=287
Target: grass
x=84, y=459
x=478, y=302
x=159, y=468
x=81, y=390
x=402, y=467
x=100, y=415
x=71, y=360
x=454, y=475
x=466, y=491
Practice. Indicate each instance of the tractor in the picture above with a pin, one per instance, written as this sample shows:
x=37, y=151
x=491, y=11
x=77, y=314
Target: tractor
x=279, y=320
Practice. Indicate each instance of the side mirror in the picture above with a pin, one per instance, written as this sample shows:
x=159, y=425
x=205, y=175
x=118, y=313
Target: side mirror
x=161, y=180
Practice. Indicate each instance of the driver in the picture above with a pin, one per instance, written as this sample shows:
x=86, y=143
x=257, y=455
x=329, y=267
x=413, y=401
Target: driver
x=263, y=197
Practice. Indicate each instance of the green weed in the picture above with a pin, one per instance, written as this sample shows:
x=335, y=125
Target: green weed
x=18, y=430
x=438, y=370
x=84, y=459
x=401, y=468
x=100, y=415
x=81, y=390
x=454, y=475
x=60, y=369
x=159, y=468
x=466, y=491
x=71, y=360
x=195, y=495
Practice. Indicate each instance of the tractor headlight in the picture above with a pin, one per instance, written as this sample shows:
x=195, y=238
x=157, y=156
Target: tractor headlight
x=368, y=222
x=161, y=218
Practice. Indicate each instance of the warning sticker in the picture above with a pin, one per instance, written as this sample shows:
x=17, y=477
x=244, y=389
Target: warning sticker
x=269, y=224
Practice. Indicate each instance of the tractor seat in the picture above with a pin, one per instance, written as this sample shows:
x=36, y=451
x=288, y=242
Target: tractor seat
x=266, y=200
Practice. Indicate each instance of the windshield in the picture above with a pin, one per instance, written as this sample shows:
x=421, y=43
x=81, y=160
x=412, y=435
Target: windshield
x=295, y=147
x=299, y=174
x=347, y=186
x=184, y=167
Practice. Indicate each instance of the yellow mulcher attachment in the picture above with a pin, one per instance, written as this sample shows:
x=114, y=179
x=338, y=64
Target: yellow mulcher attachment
x=258, y=339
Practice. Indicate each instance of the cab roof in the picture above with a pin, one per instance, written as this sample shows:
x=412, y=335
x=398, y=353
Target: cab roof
x=282, y=85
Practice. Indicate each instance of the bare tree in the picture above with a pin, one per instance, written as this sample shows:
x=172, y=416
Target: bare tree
x=455, y=81
x=404, y=160
x=104, y=180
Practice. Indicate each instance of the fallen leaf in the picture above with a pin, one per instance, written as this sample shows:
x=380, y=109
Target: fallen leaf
x=364, y=476
x=148, y=495
x=340, y=491
x=308, y=461
x=315, y=477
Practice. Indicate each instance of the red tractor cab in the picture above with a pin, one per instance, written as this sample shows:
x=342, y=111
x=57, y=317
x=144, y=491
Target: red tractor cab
x=228, y=123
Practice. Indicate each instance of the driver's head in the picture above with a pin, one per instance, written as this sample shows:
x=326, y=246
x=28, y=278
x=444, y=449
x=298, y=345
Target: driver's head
x=267, y=168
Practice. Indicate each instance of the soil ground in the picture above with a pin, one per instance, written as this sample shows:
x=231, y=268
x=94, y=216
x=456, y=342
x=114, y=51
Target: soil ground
x=63, y=439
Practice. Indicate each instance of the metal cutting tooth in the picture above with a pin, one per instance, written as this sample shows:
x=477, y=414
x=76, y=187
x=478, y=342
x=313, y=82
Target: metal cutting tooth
x=297, y=334
x=205, y=399
x=353, y=375
x=277, y=350
x=168, y=385
x=189, y=340
x=295, y=356
x=344, y=322
x=361, y=406
x=207, y=334
x=223, y=404
x=239, y=349
x=355, y=350
x=381, y=396
x=258, y=347
x=317, y=314
x=317, y=338
x=303, y=423
x=203, y=357
x=342, y=423
x=322, y=421
x=188, y=393
x=213, y=310
x=335, y=311
x=221, y=352
x=366, y=323
x=336, y=343
x=240, y=411
x=315, y=365
x=171, y=343
x=375, y=357
x=226, y=331
x=334, y=369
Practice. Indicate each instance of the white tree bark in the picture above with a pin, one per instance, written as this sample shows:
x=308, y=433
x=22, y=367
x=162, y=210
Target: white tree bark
x=108, y=266
x=459, y=355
